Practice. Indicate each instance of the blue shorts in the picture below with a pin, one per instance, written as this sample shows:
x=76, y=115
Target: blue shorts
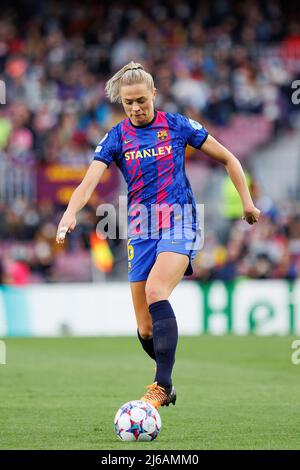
x=142, y=254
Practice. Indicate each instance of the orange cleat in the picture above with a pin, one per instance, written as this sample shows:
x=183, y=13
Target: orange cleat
x=157, y=395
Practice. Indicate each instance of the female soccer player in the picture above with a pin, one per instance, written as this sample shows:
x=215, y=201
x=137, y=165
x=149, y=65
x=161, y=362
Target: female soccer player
x=149, y=148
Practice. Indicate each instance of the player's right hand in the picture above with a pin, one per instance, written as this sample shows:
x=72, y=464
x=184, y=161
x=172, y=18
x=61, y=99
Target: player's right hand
x=66, y=225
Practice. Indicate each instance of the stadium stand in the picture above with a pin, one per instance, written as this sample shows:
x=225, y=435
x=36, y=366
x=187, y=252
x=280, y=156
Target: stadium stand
x=231, y=69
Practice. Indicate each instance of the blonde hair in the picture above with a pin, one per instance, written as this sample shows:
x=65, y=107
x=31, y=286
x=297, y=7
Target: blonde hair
x=127, y=75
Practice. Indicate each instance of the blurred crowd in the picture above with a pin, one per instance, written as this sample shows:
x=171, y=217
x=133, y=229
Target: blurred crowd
x=29, y=254
x=211, y=61
x=269, y=250
x=206, y=57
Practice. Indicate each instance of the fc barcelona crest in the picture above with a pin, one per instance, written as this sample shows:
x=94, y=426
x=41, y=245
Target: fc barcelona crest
x=162, y=135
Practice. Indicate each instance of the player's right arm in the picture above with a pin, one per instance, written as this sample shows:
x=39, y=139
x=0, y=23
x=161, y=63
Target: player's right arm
x=79, y=198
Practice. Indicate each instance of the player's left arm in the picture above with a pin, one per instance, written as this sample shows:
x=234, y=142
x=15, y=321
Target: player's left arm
x=218, y=152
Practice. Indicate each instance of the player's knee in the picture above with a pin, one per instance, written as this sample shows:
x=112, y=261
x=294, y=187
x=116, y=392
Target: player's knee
x=145, y=331
x=154, y=293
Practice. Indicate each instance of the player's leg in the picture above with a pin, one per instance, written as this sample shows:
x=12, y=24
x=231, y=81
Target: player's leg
x=166, y=273
x=143, y=317
x=141, y=257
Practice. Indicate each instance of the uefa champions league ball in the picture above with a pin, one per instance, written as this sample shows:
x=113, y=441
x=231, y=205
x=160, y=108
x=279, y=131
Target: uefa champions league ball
x=137, y=421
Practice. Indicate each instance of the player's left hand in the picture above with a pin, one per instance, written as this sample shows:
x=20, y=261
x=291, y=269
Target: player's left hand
x=251, y=215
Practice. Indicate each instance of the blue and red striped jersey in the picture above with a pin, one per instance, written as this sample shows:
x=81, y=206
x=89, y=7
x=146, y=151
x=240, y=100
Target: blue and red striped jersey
x=152, y=158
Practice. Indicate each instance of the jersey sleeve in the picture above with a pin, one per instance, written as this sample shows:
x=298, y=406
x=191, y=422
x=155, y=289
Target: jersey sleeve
x=107, y=149
x=193, y=132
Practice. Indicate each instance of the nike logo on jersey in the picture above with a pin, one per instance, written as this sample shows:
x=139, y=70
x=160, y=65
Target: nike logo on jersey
x=127, y=141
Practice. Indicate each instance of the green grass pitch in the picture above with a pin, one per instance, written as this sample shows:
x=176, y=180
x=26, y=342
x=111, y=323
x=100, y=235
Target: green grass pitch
x=233, y=393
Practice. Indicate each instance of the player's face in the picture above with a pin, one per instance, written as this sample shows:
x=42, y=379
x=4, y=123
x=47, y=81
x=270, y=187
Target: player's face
x=138, y=103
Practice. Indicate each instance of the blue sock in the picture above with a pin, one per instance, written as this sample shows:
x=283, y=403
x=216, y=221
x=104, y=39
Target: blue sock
x=165, y=337
x=147, y=345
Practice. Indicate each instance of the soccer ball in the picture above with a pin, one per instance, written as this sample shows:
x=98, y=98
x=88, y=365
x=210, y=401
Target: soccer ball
x=137, y=421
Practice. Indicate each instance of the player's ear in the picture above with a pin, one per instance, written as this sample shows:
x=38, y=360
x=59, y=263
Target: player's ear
x=154, y=93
